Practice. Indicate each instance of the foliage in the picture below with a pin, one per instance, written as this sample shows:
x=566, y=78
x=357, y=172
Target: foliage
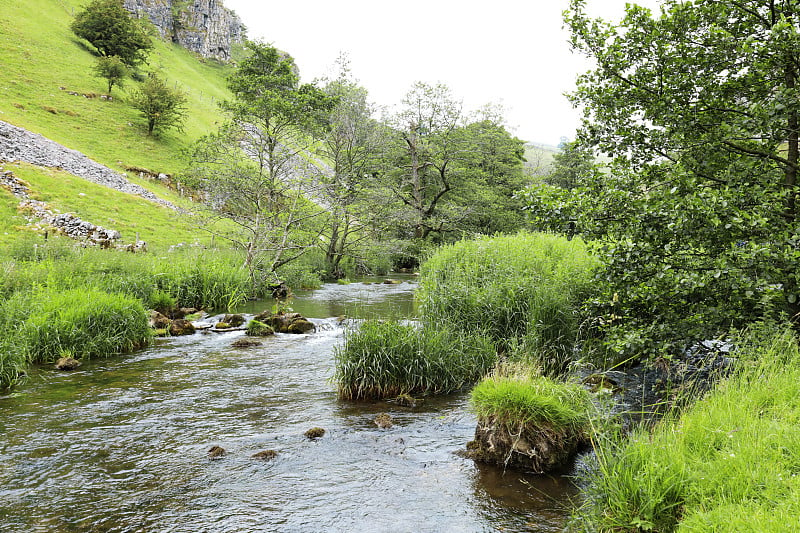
x=384, y=359
x=728, y=463
x=532, y=400
x=697, y=213
x=450, y=171
x=252, y=169
x=573, y=166
x=526, y=288
x=112, y=69
x=111, y=30
x=163, y=107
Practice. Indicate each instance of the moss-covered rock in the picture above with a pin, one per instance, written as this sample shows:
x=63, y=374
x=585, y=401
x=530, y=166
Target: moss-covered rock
x=235, y=320
x=256, y=328
x=266, y=455
x=314, y=433
x=245, y=343
x=67, y=363
x=181, y=326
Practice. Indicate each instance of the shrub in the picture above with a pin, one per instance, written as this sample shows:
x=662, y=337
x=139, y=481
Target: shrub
x=386, y=359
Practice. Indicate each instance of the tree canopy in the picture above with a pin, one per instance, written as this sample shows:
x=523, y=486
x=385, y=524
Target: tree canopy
x=108, y=26
x=698, y=109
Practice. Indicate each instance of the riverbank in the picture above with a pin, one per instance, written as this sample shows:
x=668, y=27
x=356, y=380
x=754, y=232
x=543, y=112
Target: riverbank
x=728, y=463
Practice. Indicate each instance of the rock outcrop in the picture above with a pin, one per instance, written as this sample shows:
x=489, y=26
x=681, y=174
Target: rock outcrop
x=205, y=27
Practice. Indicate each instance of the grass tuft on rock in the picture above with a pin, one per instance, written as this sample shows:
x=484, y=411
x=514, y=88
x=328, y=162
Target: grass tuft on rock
x=532, y=400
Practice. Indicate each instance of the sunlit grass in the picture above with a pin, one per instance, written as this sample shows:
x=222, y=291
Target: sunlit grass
x=729, y=463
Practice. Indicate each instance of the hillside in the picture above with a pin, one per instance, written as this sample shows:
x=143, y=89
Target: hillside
x=49, y=88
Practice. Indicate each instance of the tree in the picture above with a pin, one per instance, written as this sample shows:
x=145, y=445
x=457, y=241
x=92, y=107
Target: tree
x=572, y=166
x=108, y=26
x=164, y=107
x=448, y=169
x=254, y=169
x=353, y=145
x=698, y=108
x=112, y=69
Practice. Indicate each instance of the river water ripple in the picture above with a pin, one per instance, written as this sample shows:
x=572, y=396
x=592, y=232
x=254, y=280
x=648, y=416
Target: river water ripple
x=121, y=444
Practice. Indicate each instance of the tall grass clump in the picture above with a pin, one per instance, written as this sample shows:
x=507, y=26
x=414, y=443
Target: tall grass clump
x=87, y=323
x=387, y=358
x=524, y=287
x=728, y=463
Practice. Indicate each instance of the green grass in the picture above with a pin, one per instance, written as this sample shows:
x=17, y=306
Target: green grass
x=41, y=325
x=39, y=54
x=129, y=214
x=522, y=289
x=728, y=463
x=191, y=277
x=386, y=359
x=535, y=400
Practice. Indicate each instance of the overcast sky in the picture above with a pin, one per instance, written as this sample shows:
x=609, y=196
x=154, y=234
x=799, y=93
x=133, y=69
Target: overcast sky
x=508, y=52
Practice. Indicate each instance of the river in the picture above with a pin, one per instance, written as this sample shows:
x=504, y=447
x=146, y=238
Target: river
x=121, y=444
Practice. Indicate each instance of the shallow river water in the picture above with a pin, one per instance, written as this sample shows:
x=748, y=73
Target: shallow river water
x=121, y=444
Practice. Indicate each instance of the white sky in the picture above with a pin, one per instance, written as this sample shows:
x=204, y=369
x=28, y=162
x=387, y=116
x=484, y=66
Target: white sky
x=508, y=52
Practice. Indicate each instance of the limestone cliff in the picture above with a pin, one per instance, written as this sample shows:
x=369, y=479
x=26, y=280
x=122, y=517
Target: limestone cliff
x=205, y=27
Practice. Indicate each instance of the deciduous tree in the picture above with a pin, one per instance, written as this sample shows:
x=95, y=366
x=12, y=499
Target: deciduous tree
x=108, y=26
x=163, y=107
x=255, y=169
x=698, y=107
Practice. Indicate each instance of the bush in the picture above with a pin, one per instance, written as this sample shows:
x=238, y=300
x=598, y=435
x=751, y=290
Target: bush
x=525, y=287
x=386, y=359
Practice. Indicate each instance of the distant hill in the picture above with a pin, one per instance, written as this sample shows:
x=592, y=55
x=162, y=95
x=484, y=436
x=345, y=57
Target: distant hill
x=539, y=157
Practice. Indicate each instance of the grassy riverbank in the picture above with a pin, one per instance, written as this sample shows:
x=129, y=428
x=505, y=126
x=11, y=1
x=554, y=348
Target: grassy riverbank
x=729, y=463
x=56, y=298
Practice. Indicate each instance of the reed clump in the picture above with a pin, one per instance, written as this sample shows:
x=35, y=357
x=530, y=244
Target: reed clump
x=384, y=359
x=727, y=463
x=86, y=323
x=519, y=290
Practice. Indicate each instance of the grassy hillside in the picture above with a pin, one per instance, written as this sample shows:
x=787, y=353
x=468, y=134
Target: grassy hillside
x=539, y=157
x=39, y=55
x=42, y=62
